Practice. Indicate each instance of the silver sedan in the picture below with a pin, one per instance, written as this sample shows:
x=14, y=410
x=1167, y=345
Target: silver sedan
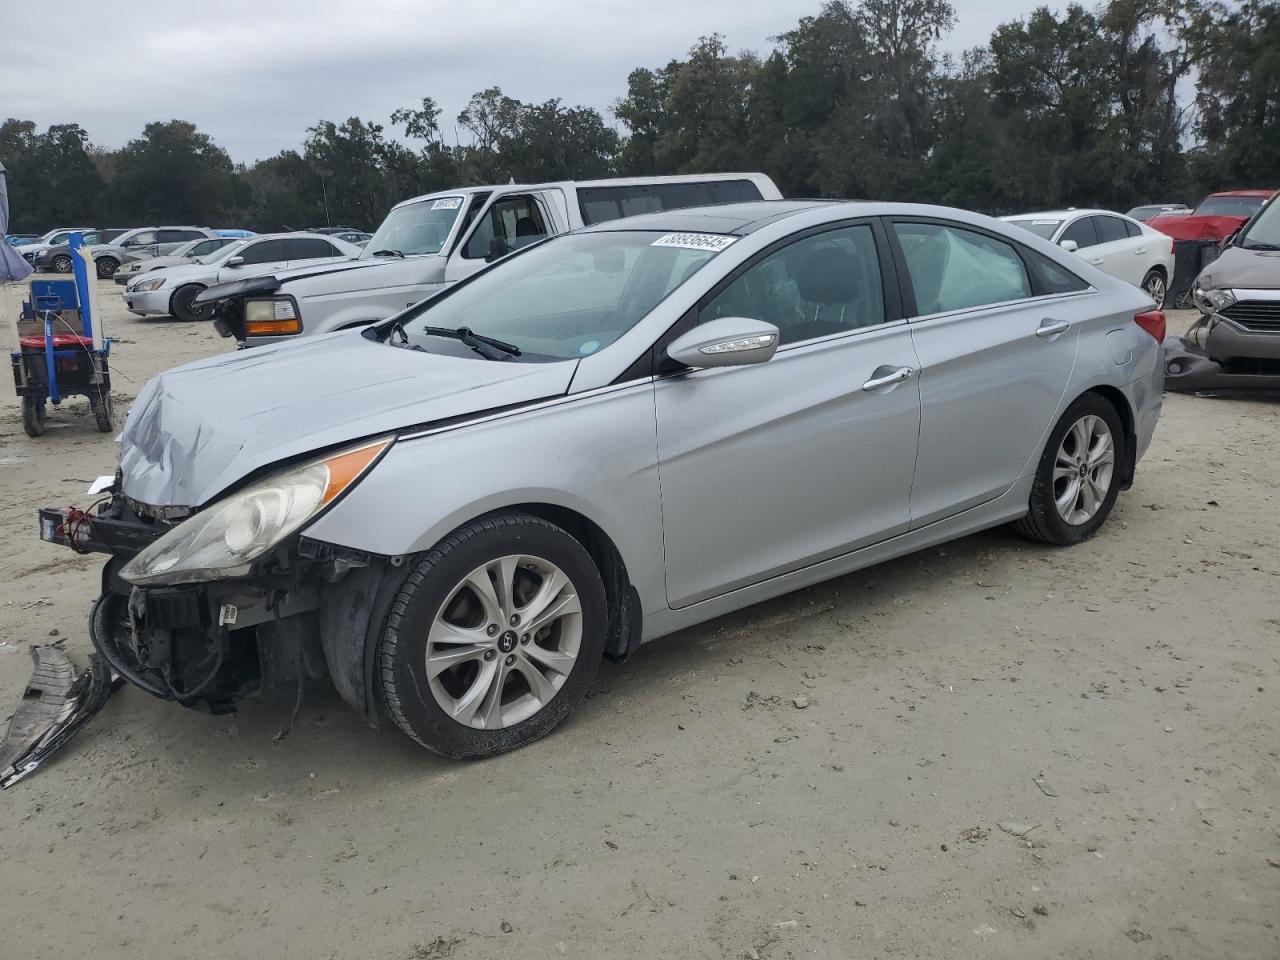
x=602, y=439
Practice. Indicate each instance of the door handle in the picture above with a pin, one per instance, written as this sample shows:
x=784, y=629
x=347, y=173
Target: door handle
x=900, y=375
x=1051, y=328
x=1138, y=253
x=1097, y=263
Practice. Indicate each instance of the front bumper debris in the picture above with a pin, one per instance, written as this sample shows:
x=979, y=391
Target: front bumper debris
x=1218, y=357
x=57, y=704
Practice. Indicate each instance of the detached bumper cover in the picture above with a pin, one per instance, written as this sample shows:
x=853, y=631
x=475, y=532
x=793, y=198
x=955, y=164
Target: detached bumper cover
x=56, y=705
x=1188, y=368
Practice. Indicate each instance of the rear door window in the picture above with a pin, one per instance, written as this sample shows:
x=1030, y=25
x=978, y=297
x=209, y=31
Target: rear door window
x=1054, y=277
x=265, y=251
x=1110, y=229
x=310, y=248
x=952, y=268
x=1082, y=232
x=1131, y=229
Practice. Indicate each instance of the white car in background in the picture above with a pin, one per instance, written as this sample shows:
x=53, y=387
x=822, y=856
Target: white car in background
x=1112, y=242
x=171, y=290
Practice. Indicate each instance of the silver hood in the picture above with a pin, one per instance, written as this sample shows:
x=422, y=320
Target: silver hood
x=197, y=429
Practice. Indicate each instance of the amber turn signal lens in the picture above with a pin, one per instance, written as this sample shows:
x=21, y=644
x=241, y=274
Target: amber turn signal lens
x=272, y=328
x=346, y=467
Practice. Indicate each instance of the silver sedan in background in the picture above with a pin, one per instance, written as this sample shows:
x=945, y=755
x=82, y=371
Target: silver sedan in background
x=606, y=437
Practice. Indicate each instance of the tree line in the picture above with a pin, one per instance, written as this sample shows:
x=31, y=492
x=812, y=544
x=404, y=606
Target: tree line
x=1133, y=101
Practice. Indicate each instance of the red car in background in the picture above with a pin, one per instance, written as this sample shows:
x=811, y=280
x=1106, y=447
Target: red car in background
x=1218, y=216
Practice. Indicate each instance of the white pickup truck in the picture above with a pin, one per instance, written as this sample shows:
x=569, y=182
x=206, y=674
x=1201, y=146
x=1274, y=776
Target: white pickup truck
x=428, y=242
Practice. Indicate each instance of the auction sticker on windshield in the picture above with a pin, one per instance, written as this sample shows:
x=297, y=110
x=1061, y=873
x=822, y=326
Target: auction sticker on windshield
x=694, y=241
x=447, y=203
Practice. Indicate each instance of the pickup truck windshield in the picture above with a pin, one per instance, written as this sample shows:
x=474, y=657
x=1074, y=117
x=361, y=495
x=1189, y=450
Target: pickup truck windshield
x=416, y=228
x=1229, y=206
x=569, y=296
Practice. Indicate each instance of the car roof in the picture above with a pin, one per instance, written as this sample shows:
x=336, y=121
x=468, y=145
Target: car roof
x=736, y=218
x=1242, y=193
x=1064, y=214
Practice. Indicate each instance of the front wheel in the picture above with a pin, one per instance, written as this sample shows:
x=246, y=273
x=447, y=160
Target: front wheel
x=182, y=304
x=1154, y=284
x=61, y=264
x=493, y=638
x=103, y=411
x=1078, y=478
x=106, y=267
x=33, y=416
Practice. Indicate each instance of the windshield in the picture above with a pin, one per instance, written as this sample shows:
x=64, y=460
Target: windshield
x=417, y=228
x=1263, y=232
x=1040, y=227
x=222, y=253
x=569, y=296
x=1230, y=206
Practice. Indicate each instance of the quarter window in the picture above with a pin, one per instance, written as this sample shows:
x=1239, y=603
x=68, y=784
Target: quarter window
x=819, y=285
x=953, y=269
x=1057, y=278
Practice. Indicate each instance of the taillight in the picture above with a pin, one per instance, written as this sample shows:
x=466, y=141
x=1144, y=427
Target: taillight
x=1153, y=322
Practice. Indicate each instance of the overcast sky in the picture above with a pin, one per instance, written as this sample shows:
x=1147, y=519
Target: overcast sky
x=255, y=74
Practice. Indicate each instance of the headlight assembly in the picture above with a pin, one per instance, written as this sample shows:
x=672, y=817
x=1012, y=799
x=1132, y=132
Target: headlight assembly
x=271, y=317
x=1211, y=301
x=143, y=286
x=223, y=540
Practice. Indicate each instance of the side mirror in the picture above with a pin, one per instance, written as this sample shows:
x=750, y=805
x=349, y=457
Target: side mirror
x=727, y=342
x=236, y=262
x=497, y=250
x=1069, y=245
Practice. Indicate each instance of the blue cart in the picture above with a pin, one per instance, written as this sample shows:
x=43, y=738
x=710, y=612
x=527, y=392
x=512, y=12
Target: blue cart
x=56, y=357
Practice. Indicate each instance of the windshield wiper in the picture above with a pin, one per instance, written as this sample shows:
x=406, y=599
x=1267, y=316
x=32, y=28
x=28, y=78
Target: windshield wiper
x=487, y=347
x=389, y=253
x=1248, y=244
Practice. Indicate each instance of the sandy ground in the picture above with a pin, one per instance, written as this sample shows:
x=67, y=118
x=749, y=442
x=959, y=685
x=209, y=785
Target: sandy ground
x=1008, y=751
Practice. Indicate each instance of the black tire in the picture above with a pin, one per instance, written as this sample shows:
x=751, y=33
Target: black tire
x=103, y=411
x=61, y=264
x=180, y=304
x=1157, y=287
x=1043, y=522
x=402, y=646
x=33, y=416
x=106, y=267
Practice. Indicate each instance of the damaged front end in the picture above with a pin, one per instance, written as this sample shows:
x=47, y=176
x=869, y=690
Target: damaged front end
x=206, y=607
x=1235, y=349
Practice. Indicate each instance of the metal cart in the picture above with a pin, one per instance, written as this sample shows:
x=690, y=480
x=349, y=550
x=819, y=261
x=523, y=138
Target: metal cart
x=57, y=357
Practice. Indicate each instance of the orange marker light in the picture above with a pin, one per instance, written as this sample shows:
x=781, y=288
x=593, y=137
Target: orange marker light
x=346, y=467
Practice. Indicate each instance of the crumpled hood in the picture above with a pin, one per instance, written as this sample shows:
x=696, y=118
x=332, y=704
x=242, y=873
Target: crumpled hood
x=1238, y=268
x=1197, y=228
x=197, y=429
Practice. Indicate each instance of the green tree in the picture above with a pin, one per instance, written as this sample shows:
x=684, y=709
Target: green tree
x=174, y=173
x=1237, y=53
x=53, y=180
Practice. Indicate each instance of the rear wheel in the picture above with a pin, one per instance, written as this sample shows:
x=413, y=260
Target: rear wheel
x=62, y=264
x=1156, y=286
x=181, y=304
x=33, y=416
x=107, y=267
x=493, y=637
x=1078, y=478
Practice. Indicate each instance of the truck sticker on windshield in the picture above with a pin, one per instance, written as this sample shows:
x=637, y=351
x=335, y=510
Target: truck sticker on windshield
x=694, y=241
x=447, y=203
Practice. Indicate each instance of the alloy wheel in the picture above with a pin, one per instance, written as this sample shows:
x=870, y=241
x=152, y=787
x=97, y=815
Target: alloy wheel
x=1155, y=286
x=504, y=642
x=1083, y=469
